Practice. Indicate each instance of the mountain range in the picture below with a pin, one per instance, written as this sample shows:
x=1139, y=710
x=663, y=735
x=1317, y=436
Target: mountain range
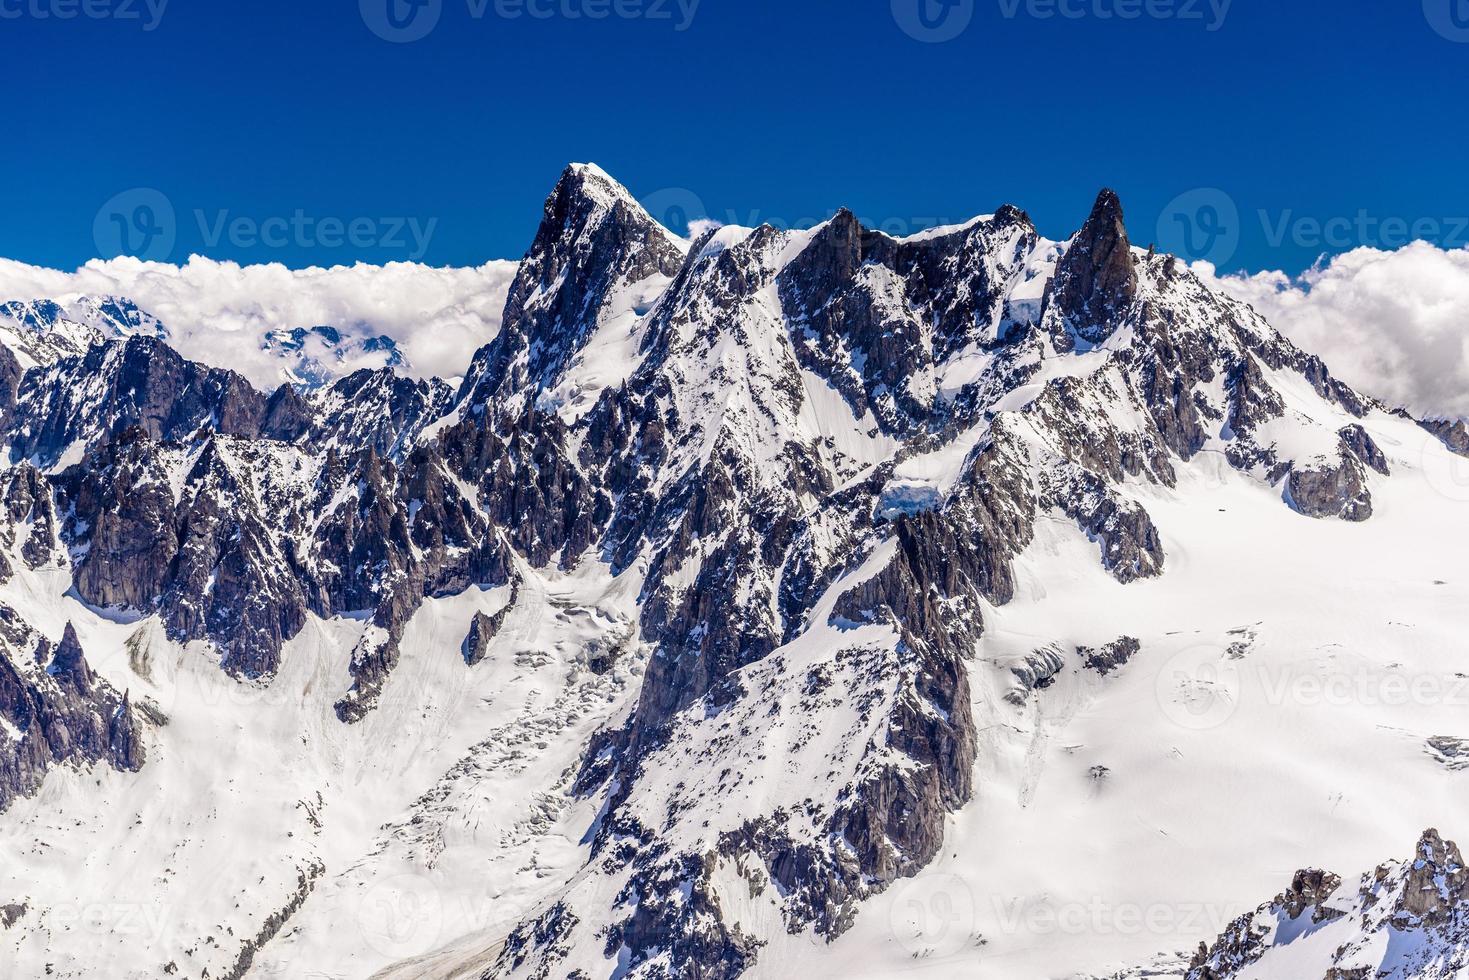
x=763, y=602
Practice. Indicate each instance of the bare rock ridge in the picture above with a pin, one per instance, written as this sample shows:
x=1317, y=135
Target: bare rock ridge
x=60, y=711
x=816, y=456
x=1404, y=920
x=1097, y=278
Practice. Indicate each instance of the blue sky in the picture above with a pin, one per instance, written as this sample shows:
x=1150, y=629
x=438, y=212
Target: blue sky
x=291, y=132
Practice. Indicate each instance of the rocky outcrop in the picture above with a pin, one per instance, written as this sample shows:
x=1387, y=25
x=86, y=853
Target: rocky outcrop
x=1355, y=440
x=594, y=243
x=378, y=410
x=54, y=710
x=1112, y=657
x=1453, y=433
x=485, y=628
x=1096, y=279
x=137, y=383
x=1403, y=921
x=1331, y=488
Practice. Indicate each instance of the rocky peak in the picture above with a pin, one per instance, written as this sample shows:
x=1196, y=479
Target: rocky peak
x=595, y=245
x=137, y=382
x=69, y=663
x=1096, y=278
x=1436, y=881
x=44, y=330
x=1403, y=921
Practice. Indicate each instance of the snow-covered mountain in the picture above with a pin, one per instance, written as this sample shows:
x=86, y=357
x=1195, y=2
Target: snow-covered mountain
x=315, y=356
x=42, y=331
x=776, y=601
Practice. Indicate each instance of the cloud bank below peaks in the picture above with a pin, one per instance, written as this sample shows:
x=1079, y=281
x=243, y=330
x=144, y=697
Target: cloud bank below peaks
x=218, y=312
x=1392, y=324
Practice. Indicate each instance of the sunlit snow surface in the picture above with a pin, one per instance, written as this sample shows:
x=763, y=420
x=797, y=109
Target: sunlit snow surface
x=1262, y=727
x=1291, y=672
x=444, y=812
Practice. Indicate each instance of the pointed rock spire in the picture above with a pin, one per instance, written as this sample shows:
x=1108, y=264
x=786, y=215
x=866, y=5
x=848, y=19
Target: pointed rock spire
x=1097, y=277
x=594, y=241
x=69, y=663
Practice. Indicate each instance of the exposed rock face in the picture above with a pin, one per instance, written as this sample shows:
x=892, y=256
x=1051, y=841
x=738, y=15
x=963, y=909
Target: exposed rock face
x=1360, y=444
x=594, y=243
x=1454, y=433
x=56, y=711
x=1331, y=489
x=1114, y=656
x=378, y=410
x=1404, y=920
x=140, y=382
x=818, y=454
x=485, y=628
x=1096, y=279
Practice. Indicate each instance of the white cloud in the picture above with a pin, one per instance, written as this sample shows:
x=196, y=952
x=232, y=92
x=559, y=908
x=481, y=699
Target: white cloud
x=1392, y=324
x=217, y=311
x=700, y=227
